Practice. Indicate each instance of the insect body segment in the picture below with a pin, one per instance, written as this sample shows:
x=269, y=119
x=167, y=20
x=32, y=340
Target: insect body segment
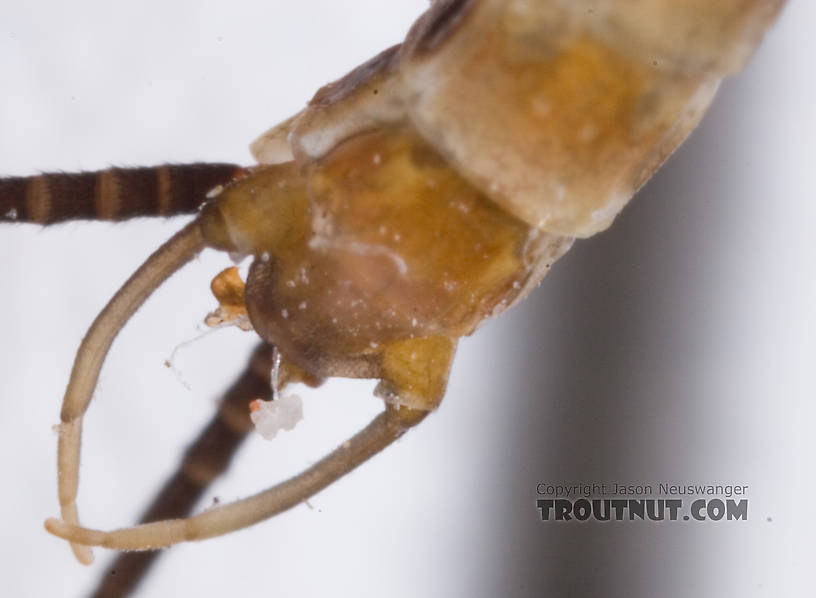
x=429, y=189
x=380, y=241
x=558, y=110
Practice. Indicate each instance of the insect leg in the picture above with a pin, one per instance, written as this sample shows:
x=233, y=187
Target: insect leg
x=414, y=371
x=206, y=458
x=381, y=432
x=176, y=252
x=111, y=194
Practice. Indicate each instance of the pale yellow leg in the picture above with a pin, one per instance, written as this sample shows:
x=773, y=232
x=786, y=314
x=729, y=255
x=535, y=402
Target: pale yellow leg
x=414, y=376
x=91, y=354
x=381, y=432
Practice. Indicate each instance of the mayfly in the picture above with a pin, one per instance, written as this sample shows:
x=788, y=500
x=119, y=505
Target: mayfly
x=429, y=189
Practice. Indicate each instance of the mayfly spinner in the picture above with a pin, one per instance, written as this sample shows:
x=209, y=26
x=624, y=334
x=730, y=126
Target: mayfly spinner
x=427, y=190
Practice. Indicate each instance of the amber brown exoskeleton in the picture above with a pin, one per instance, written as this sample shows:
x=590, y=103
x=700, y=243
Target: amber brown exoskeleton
x=424, y=192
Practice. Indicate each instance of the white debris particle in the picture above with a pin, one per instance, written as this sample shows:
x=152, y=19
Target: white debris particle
x=12, y=214
x=285, y=313
x=302, y=305
x=290, y=283
x=376, y=159
x=265, y=256
x=373, y=345
x=270, y=417
x=459, y=204
x=215, y=191
x=413, y=322
x=516, y=285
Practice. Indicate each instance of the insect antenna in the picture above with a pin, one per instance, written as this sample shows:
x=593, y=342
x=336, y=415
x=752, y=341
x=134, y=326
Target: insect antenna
x=111, y=194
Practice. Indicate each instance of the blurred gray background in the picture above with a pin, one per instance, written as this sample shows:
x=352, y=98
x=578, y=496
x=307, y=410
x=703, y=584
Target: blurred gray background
x=678, y=346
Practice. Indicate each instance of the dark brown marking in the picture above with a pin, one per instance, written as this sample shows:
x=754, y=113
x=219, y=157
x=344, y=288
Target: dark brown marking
x=11, y=208
x=381, y=64
x=435, y=26
x=112, y=194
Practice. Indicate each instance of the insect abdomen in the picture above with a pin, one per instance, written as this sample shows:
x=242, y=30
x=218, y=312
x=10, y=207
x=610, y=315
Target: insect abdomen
x=111, y=194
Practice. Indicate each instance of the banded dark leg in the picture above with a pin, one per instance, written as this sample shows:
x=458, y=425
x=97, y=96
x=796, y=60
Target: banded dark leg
x=206, y=458
x=113, y=194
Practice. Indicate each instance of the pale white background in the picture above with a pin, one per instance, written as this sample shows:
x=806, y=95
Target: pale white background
x=677, y=346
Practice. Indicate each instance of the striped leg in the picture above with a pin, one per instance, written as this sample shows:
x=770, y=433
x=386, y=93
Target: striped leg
x=112, y=194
